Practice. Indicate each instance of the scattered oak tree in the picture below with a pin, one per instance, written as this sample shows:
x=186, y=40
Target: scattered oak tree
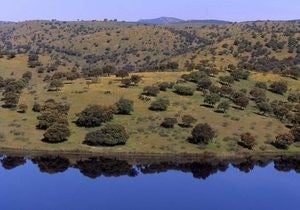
x=202, y=134
x=169, y=122
x=187, y=121
x=109, y=135
x=124, y=106
x=57, y=133
x=94, y=116
x=247, y=140
x=283, y=141
x=159, y=105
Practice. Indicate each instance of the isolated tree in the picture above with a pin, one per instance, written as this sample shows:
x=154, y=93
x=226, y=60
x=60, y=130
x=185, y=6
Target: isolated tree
x=187, y=121
x=264, y=107
x=109, y=70
x=163, y=86
x=151, y=90
x=247, y=140
x=224, y=106
x=295, y=131
x=55, y=85
x=10, y=99
x=204, y=83
x=184, y=90
x=258, y=93
x=109, y=135
x=226, y=91
x=169, y=122
x=280, y=111
x=202, y=134
x=36, y=107
x=226, y=80
x=124, y=106
x=242, y=102
x=57, y=133
x=27, y=76
x=279, y=87
x=212, y=99
x=135, y=79
x=159, y=105
x=283, y=141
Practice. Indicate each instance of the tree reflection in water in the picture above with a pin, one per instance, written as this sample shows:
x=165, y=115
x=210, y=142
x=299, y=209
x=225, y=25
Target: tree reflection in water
x=52, y=165
x=12, y=162
x=96, y=167
x=112, y=167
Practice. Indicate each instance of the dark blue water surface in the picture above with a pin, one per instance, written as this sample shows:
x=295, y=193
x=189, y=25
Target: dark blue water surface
x=56, y=184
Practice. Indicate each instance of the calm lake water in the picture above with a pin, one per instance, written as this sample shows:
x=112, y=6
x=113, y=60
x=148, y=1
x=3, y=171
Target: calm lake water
x=101, y=183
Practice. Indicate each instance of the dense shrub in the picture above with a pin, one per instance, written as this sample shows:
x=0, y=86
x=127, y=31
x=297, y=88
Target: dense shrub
x=94, y=116
x=283, y=141
x=10, y=99
x=247, y=140
x=151, y=90
x=212, y=99
x=163, y=86
x=184, y=90
x=279, y=87
x=223, y=106
x=48, y=118
x=187, y=121
x=295, y=131
x=242, y=102
x=258, y=93
x=36, y=107
x=264, y=107
x=57, y=133
x=202, y=134
x=261, y=85
x=204, y=83
x=159, y=105
x=169, y=122
x=124, y=106
x=109, y=135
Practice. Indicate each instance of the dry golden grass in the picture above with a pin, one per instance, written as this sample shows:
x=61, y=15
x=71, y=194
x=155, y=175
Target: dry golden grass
x=146, y=135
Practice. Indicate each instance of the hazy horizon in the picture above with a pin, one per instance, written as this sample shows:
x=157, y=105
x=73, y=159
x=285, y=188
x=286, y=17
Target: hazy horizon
x=228, y=10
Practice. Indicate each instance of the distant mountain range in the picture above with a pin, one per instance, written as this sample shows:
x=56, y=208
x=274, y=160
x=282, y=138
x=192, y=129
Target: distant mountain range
x=172, y=21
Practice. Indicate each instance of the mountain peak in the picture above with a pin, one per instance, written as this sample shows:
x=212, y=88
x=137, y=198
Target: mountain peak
x=161, y=21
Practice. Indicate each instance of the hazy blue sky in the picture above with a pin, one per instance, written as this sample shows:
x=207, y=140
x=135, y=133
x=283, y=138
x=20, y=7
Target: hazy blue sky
x=233, y=10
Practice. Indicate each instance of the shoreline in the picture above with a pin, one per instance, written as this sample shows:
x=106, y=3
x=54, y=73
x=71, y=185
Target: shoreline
x=140, y=156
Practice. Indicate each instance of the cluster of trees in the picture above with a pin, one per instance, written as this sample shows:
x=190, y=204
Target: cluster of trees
x=53, y=119
x=109, y=134
x=95, y=115
x=12, y=89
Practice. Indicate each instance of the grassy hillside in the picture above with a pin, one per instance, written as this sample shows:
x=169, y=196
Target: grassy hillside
x=80, y=60
x=146, y=134
x=251, y=45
